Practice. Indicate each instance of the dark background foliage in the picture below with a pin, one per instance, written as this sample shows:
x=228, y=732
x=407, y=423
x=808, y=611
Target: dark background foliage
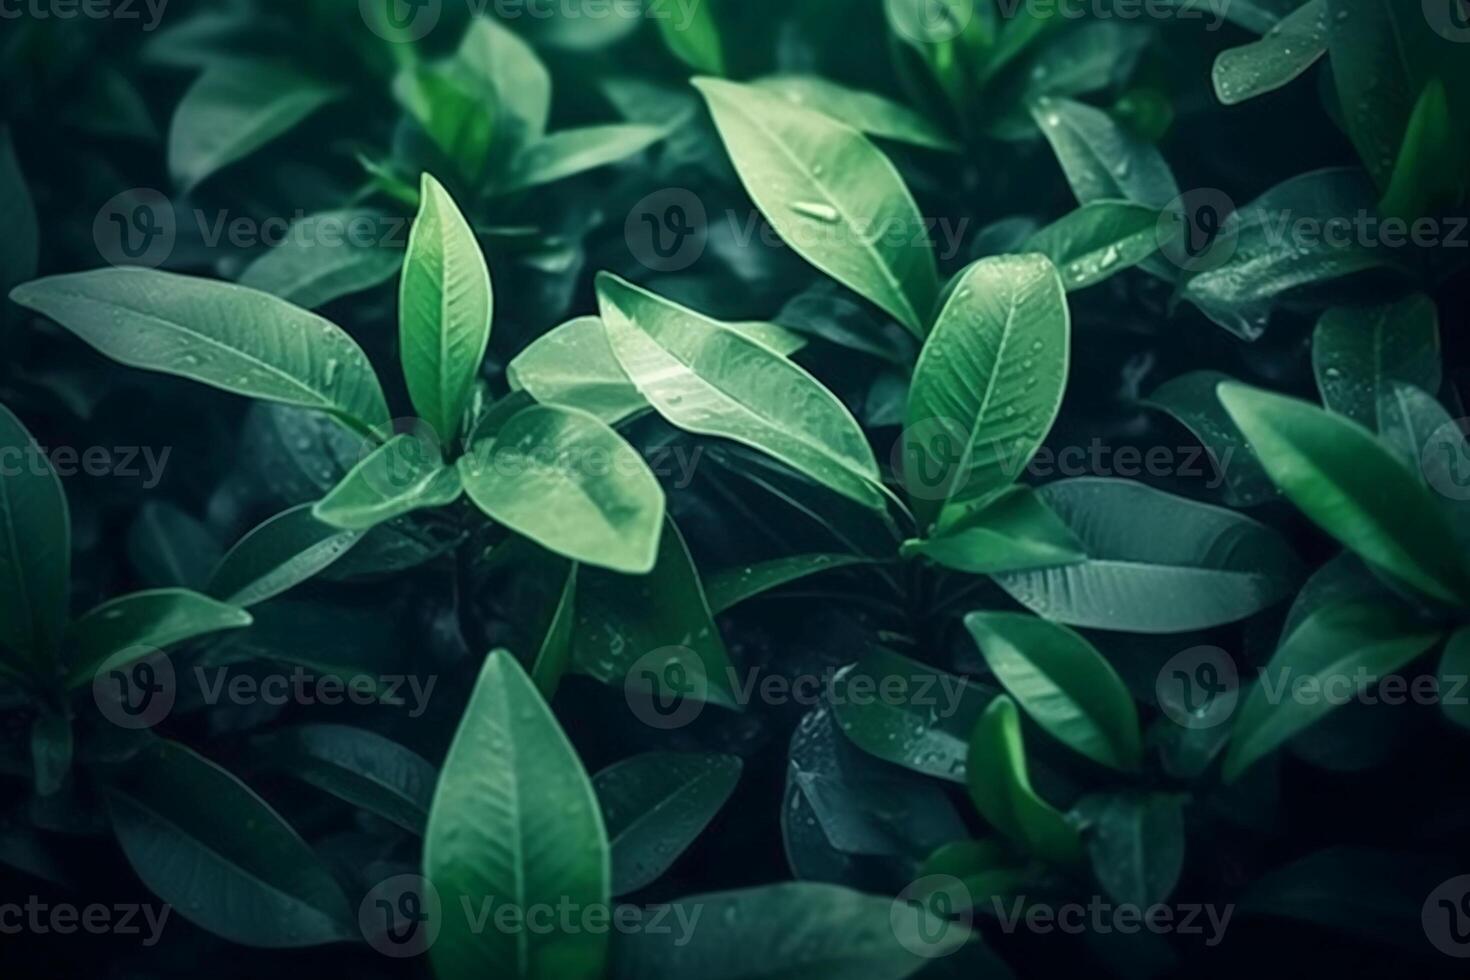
x=88, y=106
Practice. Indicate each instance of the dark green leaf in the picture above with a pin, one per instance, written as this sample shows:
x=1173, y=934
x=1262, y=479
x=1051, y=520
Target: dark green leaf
x=656, y=805
x=1063, y=683
x=514, y=818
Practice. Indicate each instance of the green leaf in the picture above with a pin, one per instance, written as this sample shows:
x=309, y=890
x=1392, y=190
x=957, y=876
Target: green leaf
x=1288, y=49
x=456, y=109
x=555, y=653
x=1383, y=54
x=1454, y=678
x=1432, y=163
x=1329, y=650
x=571, y=484
x=205, y=843
x=920, y=720
x=1298, y=234
x=514, y=817
x=1156, y=563
x=1136, y=844
x=574, y=366
x=1097, y=241
x=403, y=475
x=796, y=929
x=1103, y=162
x=988, y=385
x=514, y=71
x=35, y=548
x=1410, y=420
x=1063, y=683
x=1016, y=531
x=361, y=767
x=694, y=38
x=1001, y=789
x=19, y=251
x=733, y=586
x=573, y=151
x=622, y=620
x=826, y=190
x=1357, y=352
x=326, y=256
x=278, y=555
x=135, y=626
x=710, y=380
x=656, y=805
x=222, y=335
x=445, y=306
x=987, y=868
x=234, y=109
x=1191, y=398
x=1352, y=487
x=863, y=111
